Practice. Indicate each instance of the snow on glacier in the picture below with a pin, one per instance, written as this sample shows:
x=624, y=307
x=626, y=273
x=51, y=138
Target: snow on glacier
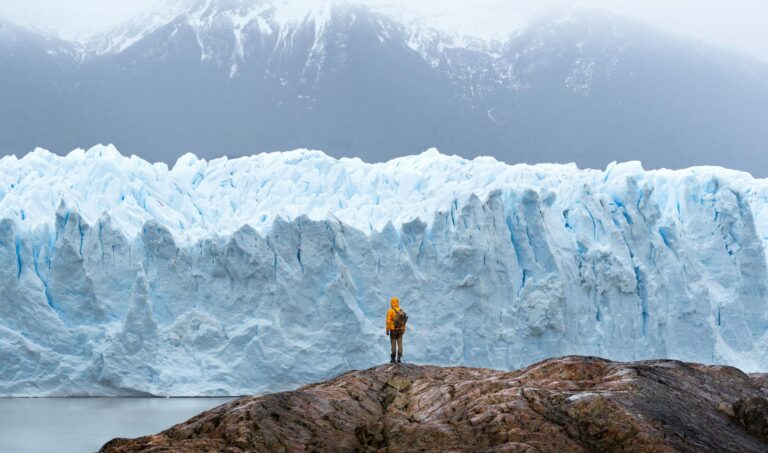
x=235, y=276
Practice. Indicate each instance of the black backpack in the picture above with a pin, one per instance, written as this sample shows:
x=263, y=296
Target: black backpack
x=400, y=319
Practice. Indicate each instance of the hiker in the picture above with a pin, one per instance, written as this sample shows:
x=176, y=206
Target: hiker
x=396, y=319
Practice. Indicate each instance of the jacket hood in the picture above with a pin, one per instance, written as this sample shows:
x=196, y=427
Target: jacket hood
x=395, y=303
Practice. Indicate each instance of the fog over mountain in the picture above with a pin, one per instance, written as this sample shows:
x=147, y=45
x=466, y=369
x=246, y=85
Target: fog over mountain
x=242, y=77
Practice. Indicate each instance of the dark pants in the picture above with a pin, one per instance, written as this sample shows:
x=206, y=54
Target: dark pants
x=396, y=341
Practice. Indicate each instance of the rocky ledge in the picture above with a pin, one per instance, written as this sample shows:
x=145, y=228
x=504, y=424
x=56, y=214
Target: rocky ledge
x=569, y=404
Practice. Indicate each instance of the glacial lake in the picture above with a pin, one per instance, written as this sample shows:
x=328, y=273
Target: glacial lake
x=83, y=425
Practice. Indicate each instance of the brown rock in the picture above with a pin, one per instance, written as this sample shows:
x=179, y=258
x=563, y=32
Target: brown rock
x=753, y=415
x=569, y=404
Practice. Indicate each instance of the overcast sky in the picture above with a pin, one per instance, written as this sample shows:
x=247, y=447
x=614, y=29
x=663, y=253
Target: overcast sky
x=737, y=24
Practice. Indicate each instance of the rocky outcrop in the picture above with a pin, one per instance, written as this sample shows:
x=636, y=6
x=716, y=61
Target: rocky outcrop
x=753, y=414
x=573, y=404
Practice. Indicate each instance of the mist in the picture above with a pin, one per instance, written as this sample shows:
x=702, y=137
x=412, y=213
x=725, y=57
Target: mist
x=738, y=25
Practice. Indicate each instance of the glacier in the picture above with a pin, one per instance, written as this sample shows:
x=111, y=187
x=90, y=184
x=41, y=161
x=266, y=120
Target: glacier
x=261, y=273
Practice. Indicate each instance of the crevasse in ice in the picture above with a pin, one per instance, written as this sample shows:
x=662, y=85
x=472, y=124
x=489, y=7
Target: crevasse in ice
x=235, y=276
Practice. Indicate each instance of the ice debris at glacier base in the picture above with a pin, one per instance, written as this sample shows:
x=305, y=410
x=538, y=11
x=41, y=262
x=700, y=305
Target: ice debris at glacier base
x=121, y=277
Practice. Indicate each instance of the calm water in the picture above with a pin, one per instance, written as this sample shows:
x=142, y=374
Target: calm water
x=83, y=425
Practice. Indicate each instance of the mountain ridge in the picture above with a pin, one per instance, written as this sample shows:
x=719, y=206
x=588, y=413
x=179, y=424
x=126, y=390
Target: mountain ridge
x=585, y=87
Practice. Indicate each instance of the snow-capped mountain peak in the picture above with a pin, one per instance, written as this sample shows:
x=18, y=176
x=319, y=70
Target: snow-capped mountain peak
x=136, y=28
x=238, y=20
x=270, y=75
x=202, y=16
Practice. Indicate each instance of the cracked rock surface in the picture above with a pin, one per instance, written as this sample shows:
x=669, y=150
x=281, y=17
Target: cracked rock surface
x=574, y=404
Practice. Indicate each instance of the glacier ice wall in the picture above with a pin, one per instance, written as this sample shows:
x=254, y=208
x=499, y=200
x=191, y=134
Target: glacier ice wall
x=120, y=277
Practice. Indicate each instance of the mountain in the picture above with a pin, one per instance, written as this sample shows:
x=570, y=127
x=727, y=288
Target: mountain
x=37, y=76
x=245, y=76
x=574, y=404
x=233, y=277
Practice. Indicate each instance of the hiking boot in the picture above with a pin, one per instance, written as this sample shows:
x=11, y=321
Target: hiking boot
x=392, y=359
x=399, y=356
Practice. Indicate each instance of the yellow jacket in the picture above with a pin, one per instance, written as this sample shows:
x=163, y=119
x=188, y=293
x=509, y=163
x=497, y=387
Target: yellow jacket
x=395, y=307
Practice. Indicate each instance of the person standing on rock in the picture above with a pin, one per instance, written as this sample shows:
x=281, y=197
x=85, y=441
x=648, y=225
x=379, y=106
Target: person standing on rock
x=396, y=319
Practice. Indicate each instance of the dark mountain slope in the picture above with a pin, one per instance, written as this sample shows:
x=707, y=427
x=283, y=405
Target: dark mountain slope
x=232, y=77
